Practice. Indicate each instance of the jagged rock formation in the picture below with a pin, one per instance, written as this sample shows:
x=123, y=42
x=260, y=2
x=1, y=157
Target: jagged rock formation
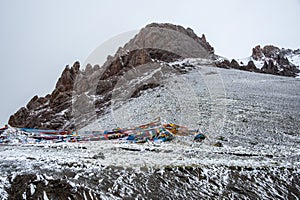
x=272, y=60
x=54, y=110
x=268, y=51
x=235, y=65
x=82, y=95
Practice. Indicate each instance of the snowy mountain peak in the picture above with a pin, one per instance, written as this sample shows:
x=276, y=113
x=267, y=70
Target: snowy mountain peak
x=82, y=96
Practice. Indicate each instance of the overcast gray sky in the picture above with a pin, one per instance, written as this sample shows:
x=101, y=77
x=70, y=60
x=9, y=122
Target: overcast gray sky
x=39, y=38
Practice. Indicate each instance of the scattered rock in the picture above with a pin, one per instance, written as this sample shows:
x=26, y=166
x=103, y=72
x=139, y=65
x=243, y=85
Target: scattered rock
x=218, y=144
x=245, y=120
x=100, y=155
x=199, y=137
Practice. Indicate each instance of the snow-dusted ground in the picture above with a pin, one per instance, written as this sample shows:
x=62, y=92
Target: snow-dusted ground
x=254, y=116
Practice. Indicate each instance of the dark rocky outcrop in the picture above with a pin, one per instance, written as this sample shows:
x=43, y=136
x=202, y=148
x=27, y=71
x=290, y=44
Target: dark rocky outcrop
x=136, y=58
x=53, y=188
x=223, y=64
x=268, y=51
x=250, y=67
x=270, y=68
x=235, y=65
x=19, y=119
x=53, y=110
x=276, y=61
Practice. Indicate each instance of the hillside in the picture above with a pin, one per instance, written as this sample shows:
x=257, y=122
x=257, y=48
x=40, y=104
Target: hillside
x=248, y=110
x=83, y=95
x=254, y=118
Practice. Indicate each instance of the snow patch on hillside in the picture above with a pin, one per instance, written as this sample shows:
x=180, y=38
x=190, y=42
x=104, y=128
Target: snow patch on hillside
x=295, y=59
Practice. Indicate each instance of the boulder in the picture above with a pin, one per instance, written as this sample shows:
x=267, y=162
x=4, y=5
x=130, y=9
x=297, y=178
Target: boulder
x=251, y=67
x=234, y=64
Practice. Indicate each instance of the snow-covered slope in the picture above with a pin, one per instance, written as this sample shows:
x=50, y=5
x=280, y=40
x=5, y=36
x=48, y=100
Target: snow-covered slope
x=251, y=121
x=294, y=57
x=253, y=116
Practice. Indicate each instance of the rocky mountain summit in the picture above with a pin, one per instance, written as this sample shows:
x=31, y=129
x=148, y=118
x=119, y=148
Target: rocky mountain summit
x=82, y=95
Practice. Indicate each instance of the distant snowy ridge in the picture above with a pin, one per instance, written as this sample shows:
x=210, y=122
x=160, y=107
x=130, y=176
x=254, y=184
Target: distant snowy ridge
x=292, y=56
x=268, y=59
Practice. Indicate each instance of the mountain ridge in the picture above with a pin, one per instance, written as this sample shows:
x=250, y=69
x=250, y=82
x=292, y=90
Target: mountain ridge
x=82, y=95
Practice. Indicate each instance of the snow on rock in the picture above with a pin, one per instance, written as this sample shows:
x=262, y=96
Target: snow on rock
x=44, y=196
x=3, y=184
x=294, y=58
x=32, y=188
x=244, y=61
